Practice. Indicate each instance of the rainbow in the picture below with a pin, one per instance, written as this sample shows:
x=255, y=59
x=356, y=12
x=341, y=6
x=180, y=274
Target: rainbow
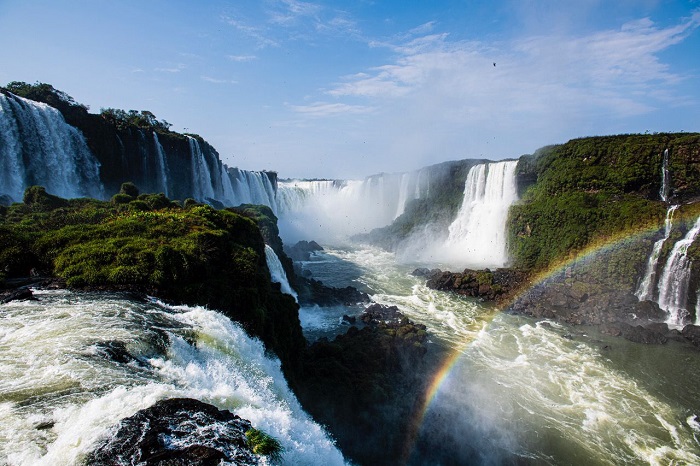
x=601, y=245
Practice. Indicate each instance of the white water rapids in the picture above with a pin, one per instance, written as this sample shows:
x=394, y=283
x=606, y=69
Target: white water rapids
x=537, y=391
x=59, y=395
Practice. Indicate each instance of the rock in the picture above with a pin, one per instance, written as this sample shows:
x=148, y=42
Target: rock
x=20, y=294
x=115, y=351
x=484, y=284
x=648, y=310
x=302, y=250
x=349, y=319
x=692, y=334
x=314, y=292
x=639, y=334
x=178, y=431
x=425, y=272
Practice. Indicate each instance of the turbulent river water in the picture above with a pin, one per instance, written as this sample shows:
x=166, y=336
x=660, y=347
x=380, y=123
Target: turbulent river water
x=518, y=390
x=507, y=389
x=60, y=393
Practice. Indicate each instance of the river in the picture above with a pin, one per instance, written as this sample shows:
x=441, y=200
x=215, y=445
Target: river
x=509, y=389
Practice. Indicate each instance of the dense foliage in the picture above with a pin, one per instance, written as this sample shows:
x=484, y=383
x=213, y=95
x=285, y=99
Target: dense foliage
x=144, y=119
x=590, y=191
x=195, y=255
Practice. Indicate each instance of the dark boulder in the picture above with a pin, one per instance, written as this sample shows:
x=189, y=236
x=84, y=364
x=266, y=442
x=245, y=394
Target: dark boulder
x=650, y=335
x=487, y=285
x=178, y=431
x=315, y=292
x=692, y=334
x=425, y=272
x=302, y=250
x=20, y=294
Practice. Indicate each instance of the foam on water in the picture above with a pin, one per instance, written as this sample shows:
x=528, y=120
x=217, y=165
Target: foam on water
x=60, y=396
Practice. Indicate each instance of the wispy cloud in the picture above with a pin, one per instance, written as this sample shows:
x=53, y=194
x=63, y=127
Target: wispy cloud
x=326, y=109
x=218, y=81
x=242, y=58
x=172, y=69
x=256, y=33
x=618, y=71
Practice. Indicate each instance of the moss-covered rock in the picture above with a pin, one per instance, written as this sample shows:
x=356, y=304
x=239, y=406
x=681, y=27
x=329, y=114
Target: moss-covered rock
x=197, y=256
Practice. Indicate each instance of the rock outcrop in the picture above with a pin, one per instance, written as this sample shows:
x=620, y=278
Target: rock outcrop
x=177, y=431
x=367, y=380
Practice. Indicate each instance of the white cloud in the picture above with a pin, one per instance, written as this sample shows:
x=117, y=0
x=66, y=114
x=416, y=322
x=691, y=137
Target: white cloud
x=242, y=58
x=172, y=69
x=614, y=71
x=218, y=81
x=326, y=109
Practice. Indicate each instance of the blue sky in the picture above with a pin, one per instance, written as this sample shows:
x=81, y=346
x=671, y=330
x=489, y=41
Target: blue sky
x=345, y=89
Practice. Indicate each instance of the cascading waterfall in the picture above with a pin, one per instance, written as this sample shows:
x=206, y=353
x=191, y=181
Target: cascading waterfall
x=477, y=235
x=37, y=147
x=277, y=273
x=675, y=279
x=251, y=187
x=331, y=211
x=162, y=165
x=201, y=175
x=645, y=291
x=665, y=178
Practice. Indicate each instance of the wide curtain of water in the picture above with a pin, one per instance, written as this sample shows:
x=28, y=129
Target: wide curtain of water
x=508, y=389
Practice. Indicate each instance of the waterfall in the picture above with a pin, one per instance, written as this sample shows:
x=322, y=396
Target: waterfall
x=403, y=194
x=57, y=371
x=201, y=175
x=162, y=165
x=675, y=279
x=646, y=287
x=477, y=236
x=277, y=273
x=665, y=188
x=38, y=147
x=252, y=187
x=331, y=210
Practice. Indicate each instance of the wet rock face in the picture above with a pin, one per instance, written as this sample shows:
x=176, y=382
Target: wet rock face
x=482, y=284
x=302, y=250
x=178, y=431
x=363, y=385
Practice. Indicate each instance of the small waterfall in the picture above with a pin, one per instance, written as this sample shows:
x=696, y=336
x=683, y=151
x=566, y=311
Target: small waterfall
x=675, y=279
x=162, y=165
x=252, y=187
x=403, y=194
x=645, y=291
x=665, y=188
x=201, y=174
x=38, y=147
x=477, y=235
x=277, y=273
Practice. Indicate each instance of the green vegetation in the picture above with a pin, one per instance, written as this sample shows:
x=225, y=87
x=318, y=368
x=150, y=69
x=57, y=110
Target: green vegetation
x=144, y=119
x=262, y=444
x=593, y=191
x=43, y=92
x=195, y=255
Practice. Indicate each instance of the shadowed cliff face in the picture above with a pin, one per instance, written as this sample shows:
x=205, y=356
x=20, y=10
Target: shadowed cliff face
x=118, y=146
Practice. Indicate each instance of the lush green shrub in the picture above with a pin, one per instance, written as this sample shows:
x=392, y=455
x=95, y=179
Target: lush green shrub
x=262, y=444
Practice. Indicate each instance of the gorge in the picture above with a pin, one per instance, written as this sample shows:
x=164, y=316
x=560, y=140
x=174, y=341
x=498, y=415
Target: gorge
x=602, y=229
